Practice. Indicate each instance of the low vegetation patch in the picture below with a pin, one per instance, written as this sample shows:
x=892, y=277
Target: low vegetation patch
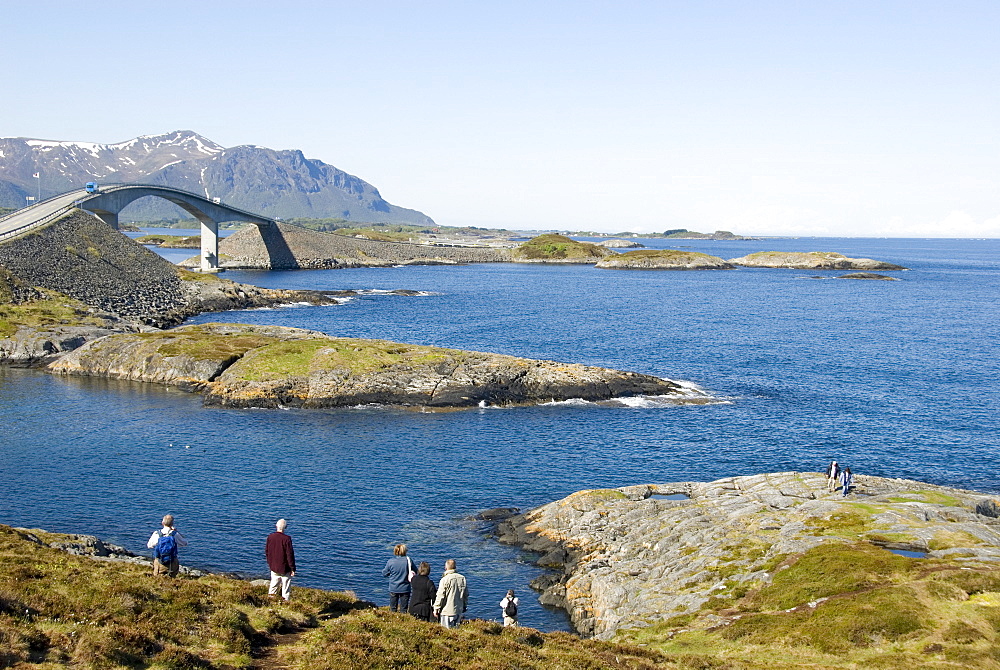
x=52, y=309
x=847, y=605
x=297, y=358
x=555, y=247
x=59, y=610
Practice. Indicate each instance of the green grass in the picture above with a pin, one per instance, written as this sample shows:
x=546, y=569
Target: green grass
x=673, y=255
x=59, y=610
x=55, y=309
x=558, y=247
x=933, y=497
x=298, y=358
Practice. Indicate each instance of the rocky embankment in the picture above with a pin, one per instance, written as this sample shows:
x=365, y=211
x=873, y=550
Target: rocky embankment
x=634, y=556
x=285, y=246
x=812, y=260
x=77, y=280
x=663, y=259
x=269, y=366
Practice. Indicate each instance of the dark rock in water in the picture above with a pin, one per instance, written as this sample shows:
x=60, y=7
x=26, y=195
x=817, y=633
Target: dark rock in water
x=498, y=513
x=867, y=275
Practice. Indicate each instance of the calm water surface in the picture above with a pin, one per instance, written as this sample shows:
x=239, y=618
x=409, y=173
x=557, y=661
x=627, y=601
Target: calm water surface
x=891, y=378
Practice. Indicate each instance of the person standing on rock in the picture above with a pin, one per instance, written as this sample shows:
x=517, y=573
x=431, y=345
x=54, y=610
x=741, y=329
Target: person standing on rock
x=164, y=542
x=398, y=570
x=846, y=479
x=422, y=593
x=281, y=561
x=509, y=608
x=452, y=596
x=832, y=475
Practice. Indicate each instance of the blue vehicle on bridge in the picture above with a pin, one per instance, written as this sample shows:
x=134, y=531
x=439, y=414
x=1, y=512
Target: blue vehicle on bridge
x=91, y=187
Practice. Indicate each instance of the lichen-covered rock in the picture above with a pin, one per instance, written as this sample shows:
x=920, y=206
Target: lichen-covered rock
x=812, y=260
x=633, y=556
x=663, y=259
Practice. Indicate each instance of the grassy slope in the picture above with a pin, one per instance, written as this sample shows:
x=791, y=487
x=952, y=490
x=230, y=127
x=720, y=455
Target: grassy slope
x=57, y=609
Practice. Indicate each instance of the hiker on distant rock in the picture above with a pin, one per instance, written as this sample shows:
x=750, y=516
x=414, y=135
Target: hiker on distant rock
x=509, y=608
x=398, y=569
x=832, y=474
x=281, y=561
x=422, y=592
x=452, y=596
x=164, y=542
x=846, y=479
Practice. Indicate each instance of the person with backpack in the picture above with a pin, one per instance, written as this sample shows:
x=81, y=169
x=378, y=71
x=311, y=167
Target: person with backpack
x=509, y=608
x=832, y=476
x=281, y=561
x=164, y=542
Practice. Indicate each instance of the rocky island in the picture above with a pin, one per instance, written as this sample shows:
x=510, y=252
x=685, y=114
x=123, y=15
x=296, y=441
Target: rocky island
x=776, y=569
x=812, y=260
x=663, y=259
x=554, y=248
x=269, y=366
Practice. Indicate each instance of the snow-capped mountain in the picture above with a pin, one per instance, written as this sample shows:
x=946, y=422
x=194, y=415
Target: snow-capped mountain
x=274, y=183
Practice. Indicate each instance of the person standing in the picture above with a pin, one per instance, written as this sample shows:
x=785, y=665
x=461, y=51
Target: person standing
x=832, y=475
x=422, y=592
x=452, y=596
x=509, y=608
x=281, y=561
x=398, y=569
x=846, y=479
x=164, y=542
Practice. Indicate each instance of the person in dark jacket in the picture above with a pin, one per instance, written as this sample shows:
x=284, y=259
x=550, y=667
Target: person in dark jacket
x=398, y=569
x=422, y=593
x=281, y=561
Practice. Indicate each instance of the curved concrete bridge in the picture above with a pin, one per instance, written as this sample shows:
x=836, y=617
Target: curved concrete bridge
x=110, y=200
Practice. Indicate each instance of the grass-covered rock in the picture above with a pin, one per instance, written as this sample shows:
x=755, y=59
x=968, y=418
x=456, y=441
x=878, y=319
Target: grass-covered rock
x=268, y=366
x=776, y=566
x=663, y=259
x=554, y=248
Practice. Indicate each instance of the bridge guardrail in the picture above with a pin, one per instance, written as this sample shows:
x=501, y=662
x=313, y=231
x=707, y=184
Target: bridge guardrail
x=34, y=224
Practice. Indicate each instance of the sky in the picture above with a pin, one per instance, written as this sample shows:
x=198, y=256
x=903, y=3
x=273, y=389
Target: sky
x=871, y=118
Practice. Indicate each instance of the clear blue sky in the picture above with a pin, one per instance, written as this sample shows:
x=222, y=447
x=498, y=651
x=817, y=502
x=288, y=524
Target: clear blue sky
x=793, y=117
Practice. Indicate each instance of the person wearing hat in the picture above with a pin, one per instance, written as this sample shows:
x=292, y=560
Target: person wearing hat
x=164, y=543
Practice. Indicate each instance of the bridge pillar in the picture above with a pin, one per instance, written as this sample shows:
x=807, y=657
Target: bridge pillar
x=209, y=245
x=108, y=218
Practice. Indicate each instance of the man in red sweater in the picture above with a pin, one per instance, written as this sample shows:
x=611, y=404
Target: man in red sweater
x=281, y=561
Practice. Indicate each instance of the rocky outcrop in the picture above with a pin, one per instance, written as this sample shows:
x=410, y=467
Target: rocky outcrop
x=621, y=244
x=268, y=366
x=285, y=246
x=663, y=259
x=812, y=260
x=868, y=275
x=91, y=547
x=637, y=555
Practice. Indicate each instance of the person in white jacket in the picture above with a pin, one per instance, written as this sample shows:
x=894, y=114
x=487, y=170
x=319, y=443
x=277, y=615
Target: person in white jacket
x=452, y=596
x=509, y=608
x=167, y=564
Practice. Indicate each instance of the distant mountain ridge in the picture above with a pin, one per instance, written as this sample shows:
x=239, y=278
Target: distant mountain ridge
x=281, y=184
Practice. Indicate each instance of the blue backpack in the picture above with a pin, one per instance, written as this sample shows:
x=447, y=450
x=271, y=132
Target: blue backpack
x=166, y=548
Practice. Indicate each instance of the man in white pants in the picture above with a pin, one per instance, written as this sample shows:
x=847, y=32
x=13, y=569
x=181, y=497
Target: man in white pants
x=452, y=596
x=281, y=561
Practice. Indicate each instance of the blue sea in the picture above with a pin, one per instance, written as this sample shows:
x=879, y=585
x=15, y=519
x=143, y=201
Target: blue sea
x=897, y=379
